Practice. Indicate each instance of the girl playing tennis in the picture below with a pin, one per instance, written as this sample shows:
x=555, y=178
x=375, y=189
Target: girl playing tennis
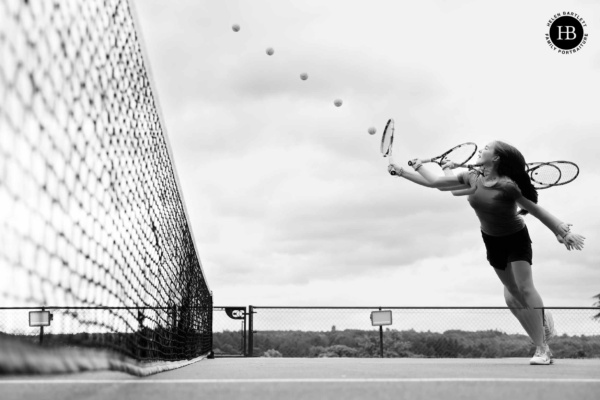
x=495, y=195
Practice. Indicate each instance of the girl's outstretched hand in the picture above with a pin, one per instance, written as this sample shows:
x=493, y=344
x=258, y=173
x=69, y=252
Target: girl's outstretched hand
x=449, y=164
x=396, y=168
x=573, y=241
x=416, y=164
x=564, y=228
x=561, y=241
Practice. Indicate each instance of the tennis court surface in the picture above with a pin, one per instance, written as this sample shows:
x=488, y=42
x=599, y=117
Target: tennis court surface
x=326, y=378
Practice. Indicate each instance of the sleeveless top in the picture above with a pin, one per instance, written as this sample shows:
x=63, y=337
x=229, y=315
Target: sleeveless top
x=495, y=206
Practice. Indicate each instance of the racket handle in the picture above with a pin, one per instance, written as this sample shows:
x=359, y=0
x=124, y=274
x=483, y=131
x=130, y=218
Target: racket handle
x=473, y=166
x=392, y=172
x=422, y=161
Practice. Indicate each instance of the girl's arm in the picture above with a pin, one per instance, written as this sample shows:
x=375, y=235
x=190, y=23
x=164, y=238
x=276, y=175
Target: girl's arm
x=434, y=180
x=459, y=190
x=418, y=179
x=463, y=192
x=557, y=227
x=408, y=175
x=553, y=223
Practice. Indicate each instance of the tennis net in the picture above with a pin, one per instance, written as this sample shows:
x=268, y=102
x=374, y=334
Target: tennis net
x=91, y=211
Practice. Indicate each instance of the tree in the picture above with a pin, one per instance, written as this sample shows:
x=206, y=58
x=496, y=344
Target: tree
x=272, y=353
x=338, y=350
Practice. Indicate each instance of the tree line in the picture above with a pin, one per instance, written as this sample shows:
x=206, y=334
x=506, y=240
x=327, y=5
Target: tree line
x=409, y=343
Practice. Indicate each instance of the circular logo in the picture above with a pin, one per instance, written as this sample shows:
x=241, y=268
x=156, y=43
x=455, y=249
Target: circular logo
x=566, y=34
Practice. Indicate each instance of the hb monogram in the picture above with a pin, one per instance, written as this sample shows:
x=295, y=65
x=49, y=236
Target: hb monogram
x=569, y=32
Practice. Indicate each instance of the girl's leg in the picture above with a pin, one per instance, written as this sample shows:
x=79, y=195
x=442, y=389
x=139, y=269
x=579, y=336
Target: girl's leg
x=524, y=279
x=514, y=299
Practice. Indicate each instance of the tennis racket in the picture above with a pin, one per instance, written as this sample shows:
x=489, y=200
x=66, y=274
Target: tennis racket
x=544, y=175
x=387, y=140
x=553, y=173
x=459, y=155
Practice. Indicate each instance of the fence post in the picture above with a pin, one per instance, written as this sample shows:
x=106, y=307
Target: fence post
x=211, y=354
x=244, y=348
x=380, y=339
x=544, y=323
x=42, y=331
x=250, y=331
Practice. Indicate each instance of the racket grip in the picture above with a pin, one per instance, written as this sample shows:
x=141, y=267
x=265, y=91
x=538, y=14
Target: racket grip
x=410, y=163
x=392, y=172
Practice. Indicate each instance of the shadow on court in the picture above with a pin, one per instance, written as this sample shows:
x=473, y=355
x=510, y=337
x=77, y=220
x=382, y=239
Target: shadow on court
x=327, y=378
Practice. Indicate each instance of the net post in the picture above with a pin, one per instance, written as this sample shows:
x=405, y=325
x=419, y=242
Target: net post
x=211, y=354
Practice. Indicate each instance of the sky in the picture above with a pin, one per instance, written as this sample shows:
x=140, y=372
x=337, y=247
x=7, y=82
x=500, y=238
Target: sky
x=288, y=196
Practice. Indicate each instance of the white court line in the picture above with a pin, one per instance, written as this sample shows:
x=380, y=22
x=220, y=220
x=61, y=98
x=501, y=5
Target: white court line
x=286, y=380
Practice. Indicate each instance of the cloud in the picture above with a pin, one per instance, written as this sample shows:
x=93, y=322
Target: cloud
x=288, y=194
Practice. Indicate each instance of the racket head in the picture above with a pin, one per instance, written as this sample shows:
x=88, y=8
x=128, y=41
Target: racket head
x=460, y=154
x=568, y=170
x=543, y=175
x=387, y=138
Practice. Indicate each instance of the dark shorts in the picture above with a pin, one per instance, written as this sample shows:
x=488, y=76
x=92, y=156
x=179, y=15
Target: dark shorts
x=504, y=249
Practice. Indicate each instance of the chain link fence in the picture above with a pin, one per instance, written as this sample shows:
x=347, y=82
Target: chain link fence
x=142, y=335
x=474, y=332
x=229, y=331
x=469, y=332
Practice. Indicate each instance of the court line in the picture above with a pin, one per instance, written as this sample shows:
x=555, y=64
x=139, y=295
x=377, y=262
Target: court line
x=289, y=380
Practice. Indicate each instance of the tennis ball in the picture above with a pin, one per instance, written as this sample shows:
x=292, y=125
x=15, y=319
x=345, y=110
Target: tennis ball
x=270, y=51
x=372, y=130
x=337, y=102
x=235, y=27
x=304, y=76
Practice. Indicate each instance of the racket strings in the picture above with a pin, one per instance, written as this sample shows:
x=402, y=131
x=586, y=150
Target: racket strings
x=545, y=174
x=461, y=154
x=387, y=139
x=568, y=172
x=553, y=173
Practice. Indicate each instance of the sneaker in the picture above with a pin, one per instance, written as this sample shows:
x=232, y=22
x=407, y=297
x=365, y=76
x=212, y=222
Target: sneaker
x=549, y=330
x=542, y=356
